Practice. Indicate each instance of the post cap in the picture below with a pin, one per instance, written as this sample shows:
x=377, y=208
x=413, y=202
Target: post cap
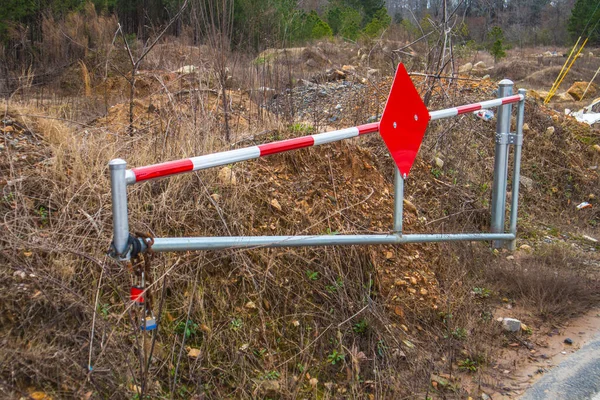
x=506, y=82
x=117, y=163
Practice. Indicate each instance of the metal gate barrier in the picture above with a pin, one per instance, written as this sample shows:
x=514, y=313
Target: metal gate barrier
x=402, y=126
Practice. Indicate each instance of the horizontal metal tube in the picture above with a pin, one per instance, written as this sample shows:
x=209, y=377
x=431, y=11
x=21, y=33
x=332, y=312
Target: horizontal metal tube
x=236, y=242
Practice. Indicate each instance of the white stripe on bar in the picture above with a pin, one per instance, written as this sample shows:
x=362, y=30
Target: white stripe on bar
x=491, y=103
x=447, y=113
x=225, y=157
x=334, y=136
x=129, y=177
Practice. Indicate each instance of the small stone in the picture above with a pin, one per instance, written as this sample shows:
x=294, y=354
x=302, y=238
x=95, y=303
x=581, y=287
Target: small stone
x=193, y=353
x=550, y=130
x=563, y=352
x=526, y=127
x=296, y=323
x=244, y=347
x=409, y=206
x=590, y=239
x=439, y=162
x=597, y=147
x=485, y=77
x=568, y=341
x=526, y=182
x=423, y=292
x=510, y=258
x=511, y=324
x=276, y=204
x=226, y=176
x=480, y=65
x=372, y=73
x=20, y=274
x=526, y=247
x=250, y=305
x=524, y=327
x=349, y=69
x=465, y=68
x=271, y=388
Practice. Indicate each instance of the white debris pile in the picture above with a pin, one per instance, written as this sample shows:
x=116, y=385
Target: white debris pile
x=589, y=114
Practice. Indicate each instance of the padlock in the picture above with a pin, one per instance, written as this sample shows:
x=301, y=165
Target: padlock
x=136, y=295
x=149, y=324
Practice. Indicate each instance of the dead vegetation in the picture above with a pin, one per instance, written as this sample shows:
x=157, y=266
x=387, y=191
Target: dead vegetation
x=377, y=321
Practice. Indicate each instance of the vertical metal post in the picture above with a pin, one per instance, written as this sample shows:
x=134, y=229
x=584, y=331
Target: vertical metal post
x=118, y=188
x=501, y=163
x=514, y=205
x=398, y=201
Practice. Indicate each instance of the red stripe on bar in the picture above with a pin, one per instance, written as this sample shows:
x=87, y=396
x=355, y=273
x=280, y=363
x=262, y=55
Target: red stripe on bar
x=468, y=108
x=286, y=145
x=164, y=169
x=368, y=128
x=511, y=99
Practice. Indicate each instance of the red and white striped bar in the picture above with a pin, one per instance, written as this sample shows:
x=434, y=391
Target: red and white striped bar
x=453, y=112
x=155, y=171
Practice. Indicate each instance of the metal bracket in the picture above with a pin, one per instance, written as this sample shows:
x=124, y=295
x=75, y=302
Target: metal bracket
x=509, y=138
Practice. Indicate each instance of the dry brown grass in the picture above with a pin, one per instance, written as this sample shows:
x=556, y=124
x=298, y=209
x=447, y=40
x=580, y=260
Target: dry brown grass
x=260, y=315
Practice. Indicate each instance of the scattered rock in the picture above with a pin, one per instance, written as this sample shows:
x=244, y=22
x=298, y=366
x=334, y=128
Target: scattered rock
x=399, y=311
x=410, y=206
x=438, y=380
x=250, y=305
x=193, y=353
x=276, y=204
x=479, y=65
x=271, y=389
x=511, y=324
x=590, y=239
x=463, y=69
x=485, y=77
x=439, y=162
x=510, y=258
x=578, y=88
x=20, y=274
x=227, y=177
x=186, y=69
x=568, y=341
x=349, y=69
x=526, y=182
x=597, y=147
x=372, y=73
x=526, y=247
x=526, y=127
x=550, y=130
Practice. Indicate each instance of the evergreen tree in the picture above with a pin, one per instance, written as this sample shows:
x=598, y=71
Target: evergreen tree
x=584, y=21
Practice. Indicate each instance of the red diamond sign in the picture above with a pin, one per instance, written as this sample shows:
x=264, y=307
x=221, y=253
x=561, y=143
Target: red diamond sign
x=404, y=121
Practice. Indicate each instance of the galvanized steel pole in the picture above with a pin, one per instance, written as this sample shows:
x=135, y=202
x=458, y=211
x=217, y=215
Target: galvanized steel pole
x=501, y=163
x=118, y=188
x=398, y=201
x=241, y=242
x=514, y=205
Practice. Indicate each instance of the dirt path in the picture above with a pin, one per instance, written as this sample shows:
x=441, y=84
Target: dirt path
x=548, y=352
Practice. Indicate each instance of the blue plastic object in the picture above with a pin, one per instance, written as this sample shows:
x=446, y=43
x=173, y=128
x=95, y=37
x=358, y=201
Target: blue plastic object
x=149, y=324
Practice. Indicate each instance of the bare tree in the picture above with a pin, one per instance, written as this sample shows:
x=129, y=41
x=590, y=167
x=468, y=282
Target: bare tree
x=135, y=63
